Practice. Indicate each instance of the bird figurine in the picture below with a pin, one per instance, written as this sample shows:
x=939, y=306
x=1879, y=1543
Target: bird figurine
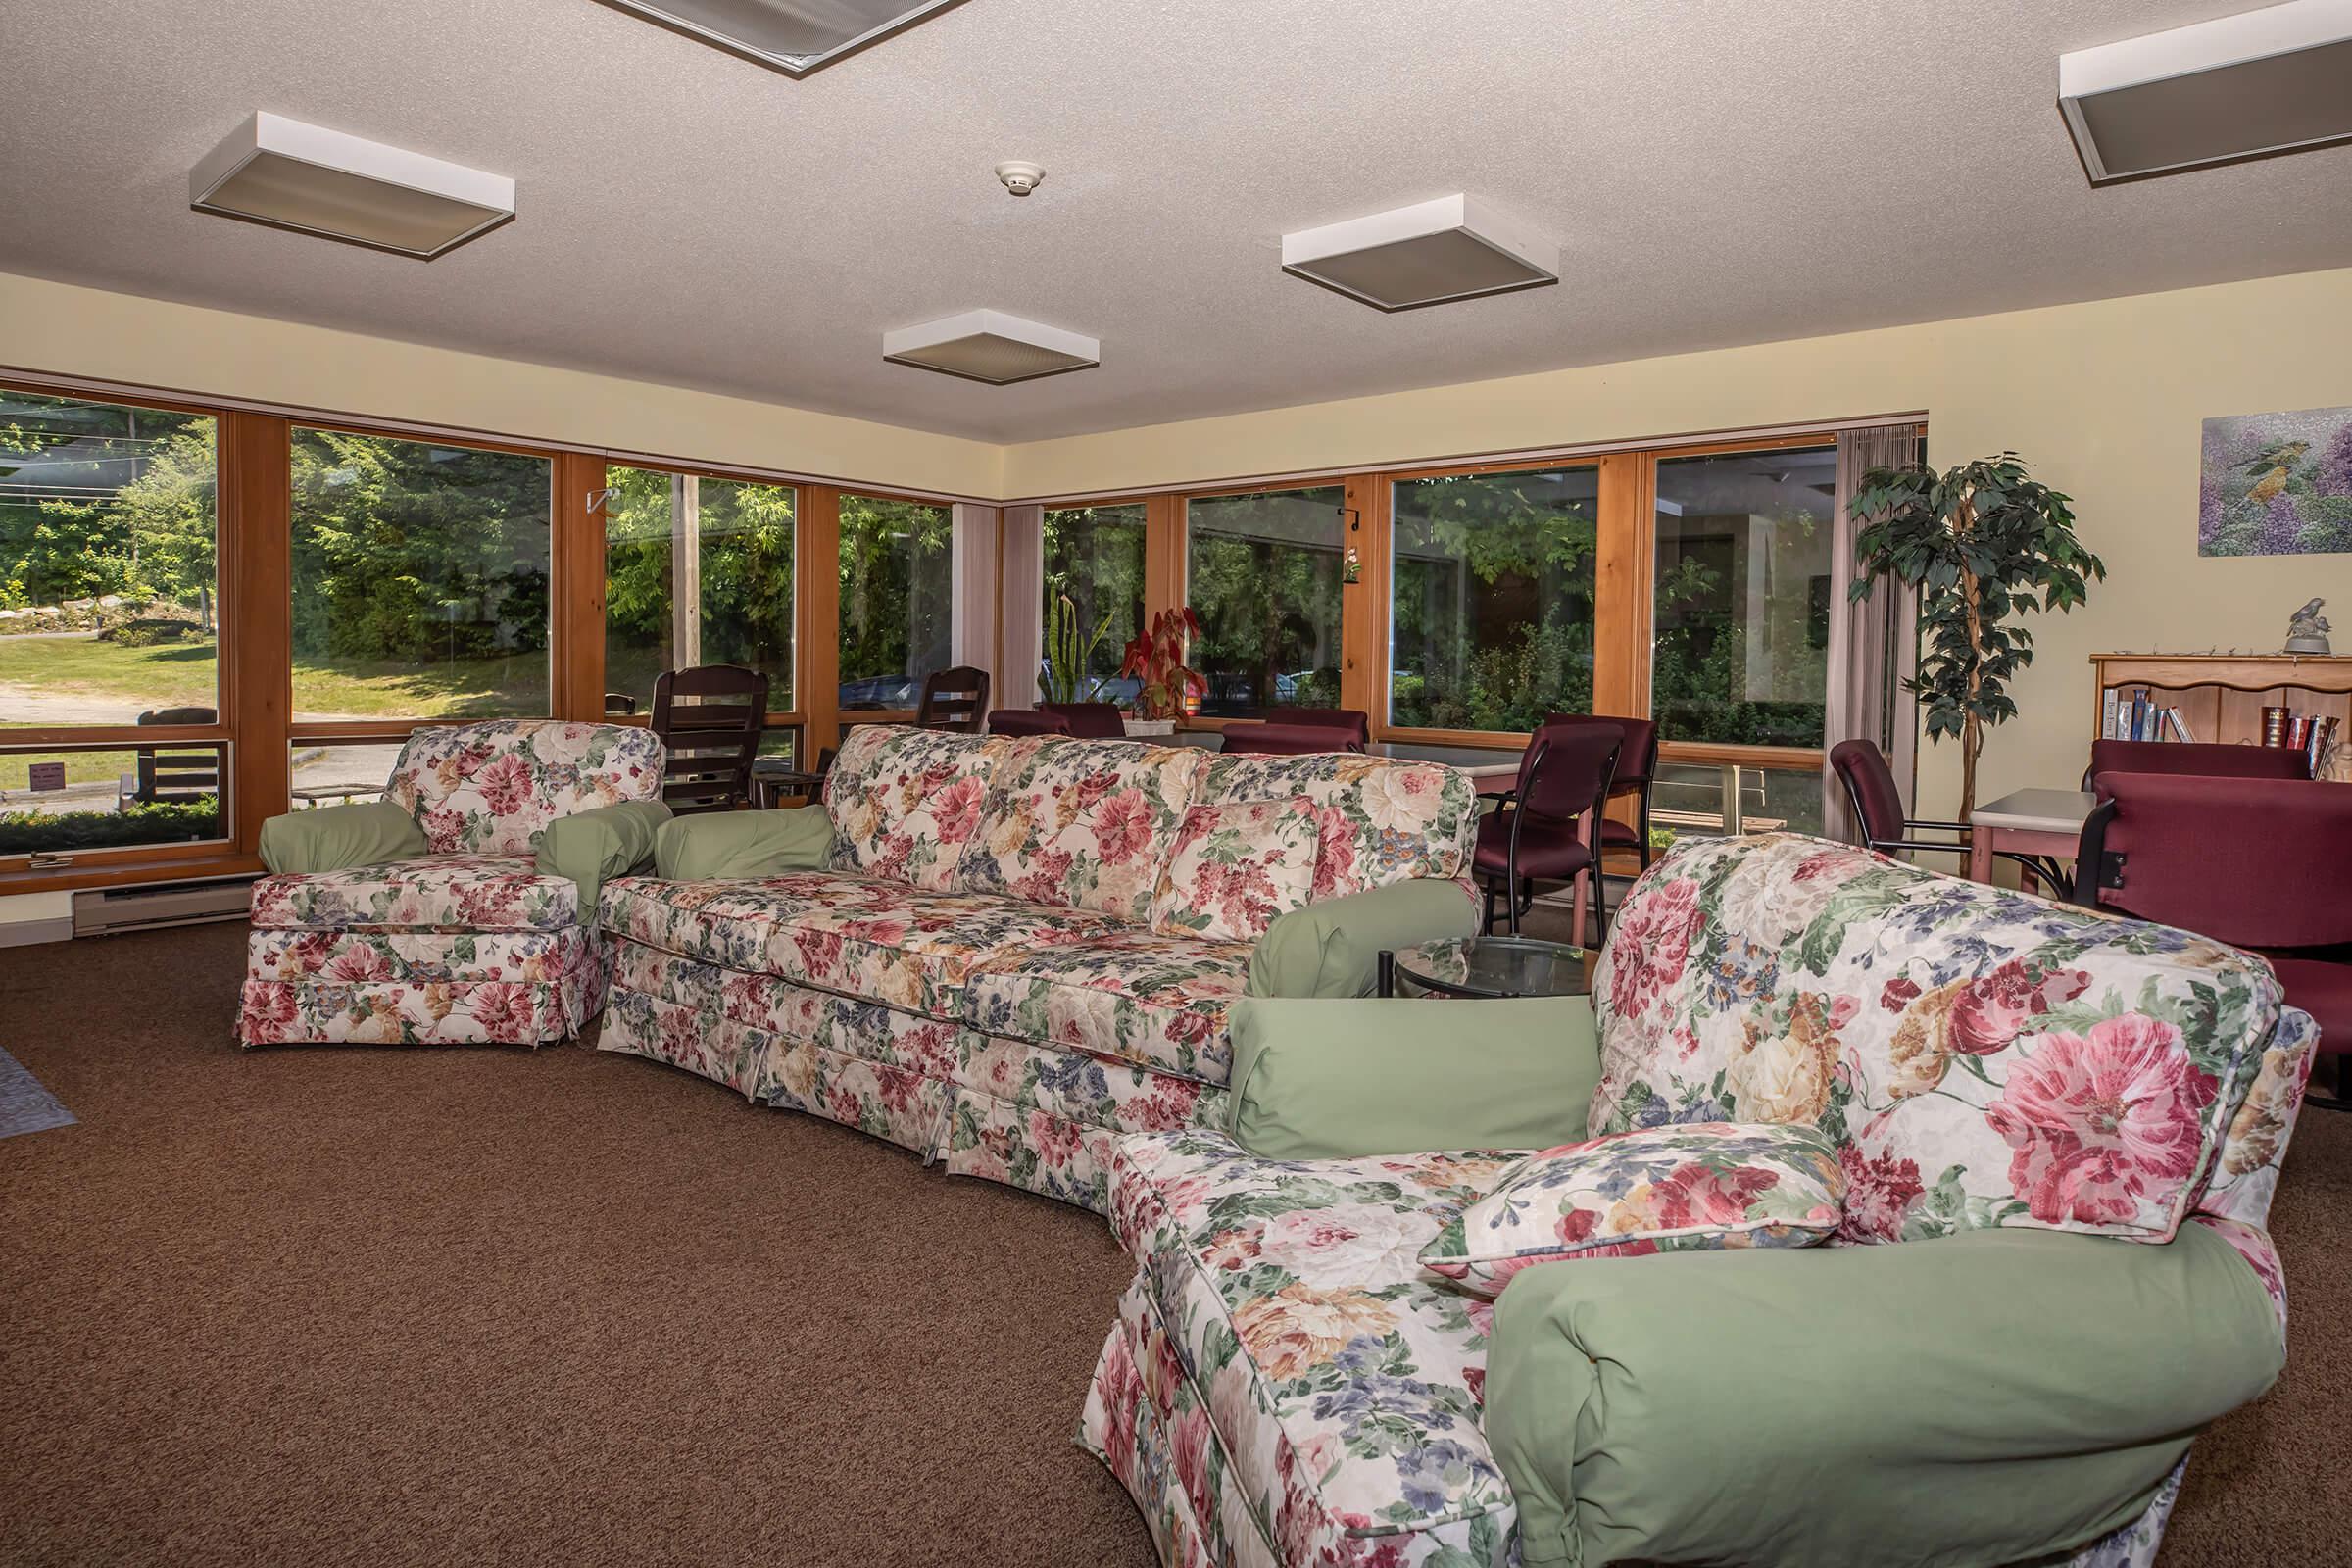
x=2307, y=630
x=2277, y=458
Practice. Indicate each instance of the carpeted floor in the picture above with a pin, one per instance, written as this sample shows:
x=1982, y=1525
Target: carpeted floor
x=373, y=1307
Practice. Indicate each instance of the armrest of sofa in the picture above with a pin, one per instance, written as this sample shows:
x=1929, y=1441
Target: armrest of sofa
x=1991, y=1396
x=1337, y=1079
x=602, y=842
x=1333, y=949
x=743, y=844
x=336, y=838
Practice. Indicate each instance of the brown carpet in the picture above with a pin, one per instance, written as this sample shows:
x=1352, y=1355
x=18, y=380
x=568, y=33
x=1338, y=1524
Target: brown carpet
x=374, y=1306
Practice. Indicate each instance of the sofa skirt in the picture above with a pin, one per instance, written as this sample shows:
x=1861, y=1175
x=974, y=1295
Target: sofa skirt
x=364, y=987
x=1030, y=1117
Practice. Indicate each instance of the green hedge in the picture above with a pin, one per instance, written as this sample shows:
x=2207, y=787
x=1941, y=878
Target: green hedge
x=162, y=822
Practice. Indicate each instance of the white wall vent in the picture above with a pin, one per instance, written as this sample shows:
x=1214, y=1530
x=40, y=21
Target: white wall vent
x=106, y=911
x=1454, y=248
x=2261, y=81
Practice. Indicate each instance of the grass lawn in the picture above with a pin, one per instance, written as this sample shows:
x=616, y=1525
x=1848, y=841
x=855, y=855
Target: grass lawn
x=183, y=675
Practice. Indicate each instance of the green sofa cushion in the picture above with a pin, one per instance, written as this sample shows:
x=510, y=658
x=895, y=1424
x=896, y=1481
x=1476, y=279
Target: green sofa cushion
x=608, y=841
x=1316, y=1079
x=1983, y=1398
x=336, y=838
x=743, y=844
x=1333, y=949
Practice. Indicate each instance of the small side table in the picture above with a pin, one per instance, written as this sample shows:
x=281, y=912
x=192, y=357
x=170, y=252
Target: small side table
x=1488, y=967
x=2028, y=822
x=772, y=784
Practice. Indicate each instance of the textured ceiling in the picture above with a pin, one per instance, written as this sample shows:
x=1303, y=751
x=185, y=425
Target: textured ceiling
x=1716, y=172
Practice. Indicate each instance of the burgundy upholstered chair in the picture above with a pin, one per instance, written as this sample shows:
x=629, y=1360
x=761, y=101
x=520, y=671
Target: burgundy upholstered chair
x=1537, y=831
x=1026, y=722
x=1287, y=740
x=1636, y=770
x=2203, y=757
x=1870, y=789
x=2262, y=865
x=1089, y=721
x=1354, y=720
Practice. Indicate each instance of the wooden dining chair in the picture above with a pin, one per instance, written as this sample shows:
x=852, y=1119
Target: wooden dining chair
x=953, y=699
x=709, y=717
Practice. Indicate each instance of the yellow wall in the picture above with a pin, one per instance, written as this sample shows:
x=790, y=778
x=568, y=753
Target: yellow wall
x=2104, y=400
x=67, y=330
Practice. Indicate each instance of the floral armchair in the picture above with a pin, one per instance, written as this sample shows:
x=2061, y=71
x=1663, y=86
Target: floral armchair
x=458, y=909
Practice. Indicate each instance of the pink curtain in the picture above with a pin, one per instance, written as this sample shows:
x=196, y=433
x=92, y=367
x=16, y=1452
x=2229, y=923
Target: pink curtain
x=1874, y=646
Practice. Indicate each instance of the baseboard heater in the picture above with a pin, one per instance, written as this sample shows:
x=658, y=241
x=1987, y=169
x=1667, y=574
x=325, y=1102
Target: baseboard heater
x=106, y=911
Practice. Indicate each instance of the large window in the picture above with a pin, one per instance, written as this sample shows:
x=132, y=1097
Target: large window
x=1490, y=624
x=897, y=599
x=1264, y=573
x=1740, y=652
x=697, y=572
x=107, y=608
x=421, y=579
x=1094, y=558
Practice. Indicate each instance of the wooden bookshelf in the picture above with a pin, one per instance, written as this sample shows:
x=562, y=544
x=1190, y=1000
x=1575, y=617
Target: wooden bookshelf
x=2222, y=696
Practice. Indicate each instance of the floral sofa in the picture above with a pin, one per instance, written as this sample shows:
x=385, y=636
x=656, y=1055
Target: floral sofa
x=1286, y=1382
x=1008, y=959
x=429, y=917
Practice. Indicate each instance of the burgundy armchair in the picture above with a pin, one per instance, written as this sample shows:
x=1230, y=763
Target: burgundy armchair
x=1636, y=770
x=1354, y=720
x=1089, y=721
x=2203, y=757
x=1288, y=740
x=2259, y=863
x=1536, y=832
x=1026, y=722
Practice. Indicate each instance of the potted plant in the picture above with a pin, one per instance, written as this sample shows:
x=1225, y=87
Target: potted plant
x=1063, y=678
x=1155, y=658
x=1981, y=542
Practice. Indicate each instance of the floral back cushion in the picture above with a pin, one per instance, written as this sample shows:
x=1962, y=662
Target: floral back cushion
x=1381, y=822
x=907, y=802
x=1236, y=866
x=1979, y=1057
x=492, y=788
x=1083, y=825
x=1694, y=1187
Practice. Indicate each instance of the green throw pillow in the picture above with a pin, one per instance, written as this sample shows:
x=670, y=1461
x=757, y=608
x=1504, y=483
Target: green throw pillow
x=1333, y=949
x=745, y=843
x=336, y=838
x=608, y=841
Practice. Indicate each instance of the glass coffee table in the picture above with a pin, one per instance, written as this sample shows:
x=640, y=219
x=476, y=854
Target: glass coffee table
x=1486, y=966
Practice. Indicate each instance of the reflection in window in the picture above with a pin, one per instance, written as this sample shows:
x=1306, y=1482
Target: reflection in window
x=1491, y=627
x=421, y=579
x=1263, y=573
x=339, y=772
x=1689, y=798
x=897, y=599
x=1743, y=629
x=61, y=802
x=697, y=572
x=106, y=563
x=1093, y=556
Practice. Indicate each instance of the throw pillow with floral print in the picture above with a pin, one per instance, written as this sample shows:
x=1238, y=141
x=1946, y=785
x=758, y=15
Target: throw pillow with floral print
x=1236, y=868
x=1690, y=1188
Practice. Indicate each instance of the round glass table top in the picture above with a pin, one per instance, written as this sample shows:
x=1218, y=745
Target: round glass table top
x=1494, y=967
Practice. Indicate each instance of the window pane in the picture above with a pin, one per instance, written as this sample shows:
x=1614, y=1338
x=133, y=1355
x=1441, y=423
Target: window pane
x=1094, y=558
x=697, y=572
x=421, y=579
x=336, y=772
x=67, y=801
x=106, y=563
x=1493, y=621
x=1696, y=798
x=1263, y=572
x=897, y=600
x=1742, y=633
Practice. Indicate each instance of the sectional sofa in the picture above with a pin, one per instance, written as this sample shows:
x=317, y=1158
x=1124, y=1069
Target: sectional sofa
x=1003, y=951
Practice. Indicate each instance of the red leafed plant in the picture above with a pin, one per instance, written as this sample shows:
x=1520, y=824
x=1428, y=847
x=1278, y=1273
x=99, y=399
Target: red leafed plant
x=1157, y=659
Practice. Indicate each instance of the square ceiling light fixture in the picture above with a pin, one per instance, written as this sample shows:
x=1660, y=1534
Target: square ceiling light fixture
x=795, y=37
x=1454, y=248
x=2262, y=81
x=991, y=346
x=287, y=174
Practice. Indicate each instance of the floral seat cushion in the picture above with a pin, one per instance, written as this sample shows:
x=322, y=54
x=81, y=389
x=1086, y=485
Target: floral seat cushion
x=1133, y=994
x=1381, y=822
x=1083, y=825
x=877, y=940
x=431, y=893
x=907, y=802
x=1343, y=1382
x=492, y=788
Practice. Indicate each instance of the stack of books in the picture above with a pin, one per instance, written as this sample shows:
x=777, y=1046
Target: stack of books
x=2136, y=715
x=2298, y=731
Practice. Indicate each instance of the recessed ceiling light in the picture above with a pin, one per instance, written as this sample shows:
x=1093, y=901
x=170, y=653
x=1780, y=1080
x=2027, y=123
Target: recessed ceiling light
x=795, y=37
x=991, y=346
x=1454, y=248
x=2262, y=81
x=287, y=174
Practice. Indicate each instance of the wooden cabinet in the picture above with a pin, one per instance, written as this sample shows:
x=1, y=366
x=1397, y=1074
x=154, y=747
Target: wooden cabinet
x=2222, y=696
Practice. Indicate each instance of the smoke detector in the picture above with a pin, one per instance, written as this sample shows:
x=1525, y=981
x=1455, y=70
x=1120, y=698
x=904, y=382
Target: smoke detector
x=1019, y=175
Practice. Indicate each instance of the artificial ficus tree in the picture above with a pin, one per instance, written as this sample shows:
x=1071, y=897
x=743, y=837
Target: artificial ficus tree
x=1981, y=542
